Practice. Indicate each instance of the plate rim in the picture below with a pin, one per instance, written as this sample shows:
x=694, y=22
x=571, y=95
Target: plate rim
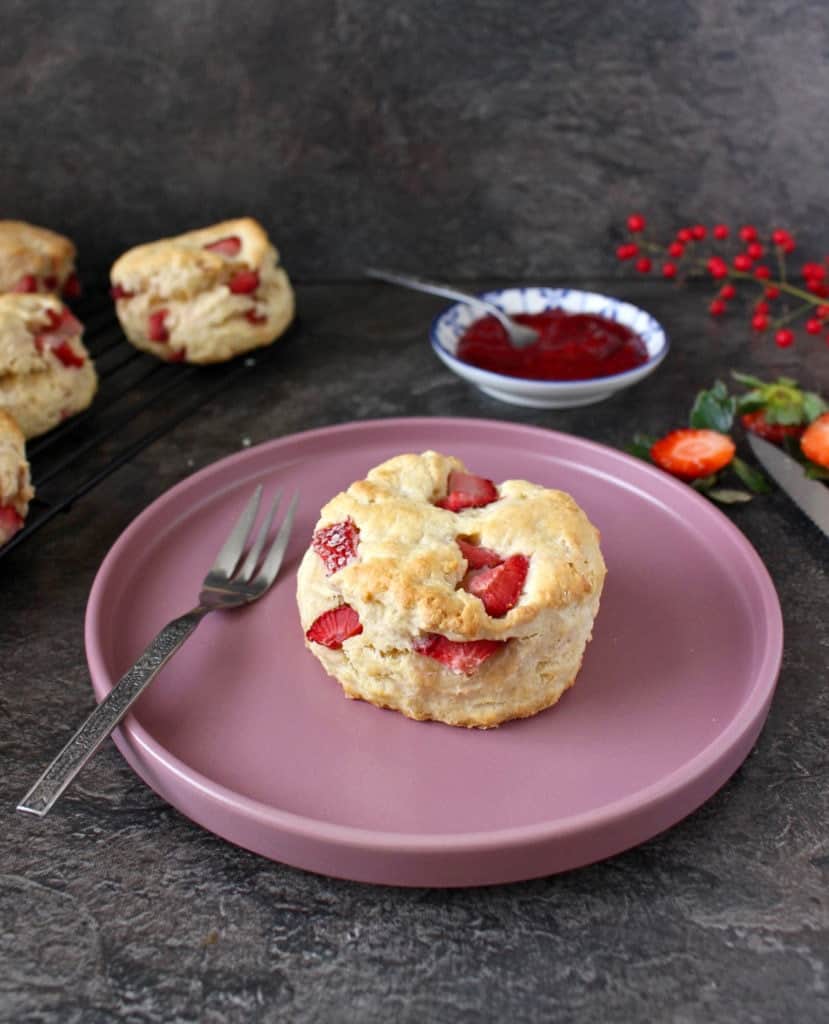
x=742, y=727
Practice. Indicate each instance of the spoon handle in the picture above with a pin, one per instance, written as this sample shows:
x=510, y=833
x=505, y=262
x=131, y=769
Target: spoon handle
x=434, y=288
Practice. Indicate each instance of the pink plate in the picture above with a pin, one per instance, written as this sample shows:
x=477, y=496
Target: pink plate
x=245, y=734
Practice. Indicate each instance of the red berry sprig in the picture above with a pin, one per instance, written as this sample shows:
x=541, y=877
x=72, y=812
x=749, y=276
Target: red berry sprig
x=684, y=256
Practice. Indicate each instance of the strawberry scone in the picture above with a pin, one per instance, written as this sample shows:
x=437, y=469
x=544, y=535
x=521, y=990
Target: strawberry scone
x=34, y=259
x=15, y=484
x=46, y=373
x=205, y=296
x=432, y=591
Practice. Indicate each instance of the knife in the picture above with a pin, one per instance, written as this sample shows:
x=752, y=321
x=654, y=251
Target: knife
x=811, y=496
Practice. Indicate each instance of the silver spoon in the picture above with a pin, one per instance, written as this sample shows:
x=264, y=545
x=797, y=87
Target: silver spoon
x=519, y=334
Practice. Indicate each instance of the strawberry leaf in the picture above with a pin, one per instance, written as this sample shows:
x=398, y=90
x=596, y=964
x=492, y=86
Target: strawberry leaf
x=705, y=483
x=641, y=446
x=816, y=472
x=813, y=405
x=729, y=496
x=747, y=380
x=713, y=409
x=752, y=478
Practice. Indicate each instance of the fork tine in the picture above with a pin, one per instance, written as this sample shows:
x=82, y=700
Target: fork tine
x=270, y=567
x=228, y=557
x=245, y=573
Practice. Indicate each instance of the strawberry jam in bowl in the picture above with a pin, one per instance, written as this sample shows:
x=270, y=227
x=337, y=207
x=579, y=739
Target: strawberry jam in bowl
x=590, y=346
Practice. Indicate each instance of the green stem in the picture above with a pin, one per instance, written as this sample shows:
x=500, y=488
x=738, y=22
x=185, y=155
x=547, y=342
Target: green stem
x=791, y=315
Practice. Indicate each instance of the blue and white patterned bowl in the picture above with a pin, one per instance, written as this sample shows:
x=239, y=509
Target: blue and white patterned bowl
x=449, y=326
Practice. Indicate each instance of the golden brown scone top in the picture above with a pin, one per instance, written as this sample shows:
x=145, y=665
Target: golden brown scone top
x=409, y=567
x=28, y=249
x=21, y=318
x=181, y=266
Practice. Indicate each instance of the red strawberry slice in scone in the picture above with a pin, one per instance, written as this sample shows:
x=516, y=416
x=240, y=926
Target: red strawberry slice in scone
x=243, y=282
x=10, y=522
x=500, y=587
x=72, y=287
x=478, y=557
x=63, y=327
x=335, y=626
x=156, y=329
x=230, y=246
x=26, y=284
x=336, y=544
x=462, y=656
x=465, y=490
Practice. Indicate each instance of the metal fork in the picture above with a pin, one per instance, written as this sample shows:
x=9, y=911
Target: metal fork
x=227, y=585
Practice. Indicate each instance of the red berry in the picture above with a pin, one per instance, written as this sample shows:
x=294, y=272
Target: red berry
x=690, y=454
x=643, y=265
x=721, y=231
x=814, y=326
x=772, y=292
x=762, y=272
x=336, y=544
x=465, y=490
x=685, y=235
x=788, y=246
x=669, y=270
x=478, y=557
x=156, y=331
x=26, y=284
x=779, y=236
x=819, y=288
x=334, y=627
x=229, y=246
x=755, y=250
x=748, y=233
x=462, y=656
x=717, y=267
x=817, y=271
x=244, y=282
x=762, y=307
x=500, y=587
x=676, y=249
x=742, y=261
x=784, y=337
x=728, y=291
x=717, y=307
x=627, y=251
x=822, y=312
x=699, y=231
x=759, y=322
x=636, y=223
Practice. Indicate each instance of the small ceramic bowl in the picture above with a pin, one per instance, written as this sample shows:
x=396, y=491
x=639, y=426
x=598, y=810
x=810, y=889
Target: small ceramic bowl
x=449, y=326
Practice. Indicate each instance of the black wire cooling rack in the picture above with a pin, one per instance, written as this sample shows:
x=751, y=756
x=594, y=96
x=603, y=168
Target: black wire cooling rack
x=139, y=400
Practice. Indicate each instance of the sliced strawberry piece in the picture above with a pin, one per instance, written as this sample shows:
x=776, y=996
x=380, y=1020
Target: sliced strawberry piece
x=500, y=587
x=757, y=423
x=478, y=557
x=336, y=544
x=118, y=292
x=815, y=441
x=10, y=522
x=335, y=626
x=229, y=246
x=244, y=282
x=690, y=454
x=26, y=284
x=462, y=656
x=72, y=287
x=177, y=355
x=156, y=331
x=67, y=355
x=63, y=326
x=50, y=283
x=253, y=317
x=465, y=490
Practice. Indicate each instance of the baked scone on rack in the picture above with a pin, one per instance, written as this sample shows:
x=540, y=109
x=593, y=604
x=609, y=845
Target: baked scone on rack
x=34, y=259
x=204, y=296
x=15, y=482
x=46, y=373
x=432, y=591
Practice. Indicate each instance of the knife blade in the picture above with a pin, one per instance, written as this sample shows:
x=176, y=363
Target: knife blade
x=811, y=496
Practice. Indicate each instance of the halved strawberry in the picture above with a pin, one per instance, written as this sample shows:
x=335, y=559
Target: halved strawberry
x=10, y=522
x=336, y=544
x=335, y=626
x=26, y=284
x=693, y=453
x=118, y=292
x=229, y=246
x=156, y=331
x=72, y=287
x=757, y=423
x=478, y=557
x=815, y=441
x=500, y=587
x=465, y=490
x=462, y=656
x=244, y=282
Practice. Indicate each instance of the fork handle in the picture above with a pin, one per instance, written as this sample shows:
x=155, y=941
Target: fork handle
x=109, y=713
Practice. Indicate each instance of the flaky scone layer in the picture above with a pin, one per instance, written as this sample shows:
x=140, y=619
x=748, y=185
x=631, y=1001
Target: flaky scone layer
x=15, y=483
x=26, y=249
x=406, y=582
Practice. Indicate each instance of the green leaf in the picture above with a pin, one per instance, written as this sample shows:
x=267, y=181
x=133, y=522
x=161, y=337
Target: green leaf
x=729, y=496
x=785, y=415
x=751, y=401
x=704, y=483
x=816, y=472
x=813, y=405
x=641, y=446
x=747, y=379
x=713, y=409
x=752, y=478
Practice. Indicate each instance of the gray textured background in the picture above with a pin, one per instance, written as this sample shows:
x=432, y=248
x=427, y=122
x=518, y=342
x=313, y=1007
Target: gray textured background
x=462, y=138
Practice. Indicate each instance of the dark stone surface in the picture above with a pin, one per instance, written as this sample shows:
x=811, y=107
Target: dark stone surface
x=116, y=907
x=464, y=138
